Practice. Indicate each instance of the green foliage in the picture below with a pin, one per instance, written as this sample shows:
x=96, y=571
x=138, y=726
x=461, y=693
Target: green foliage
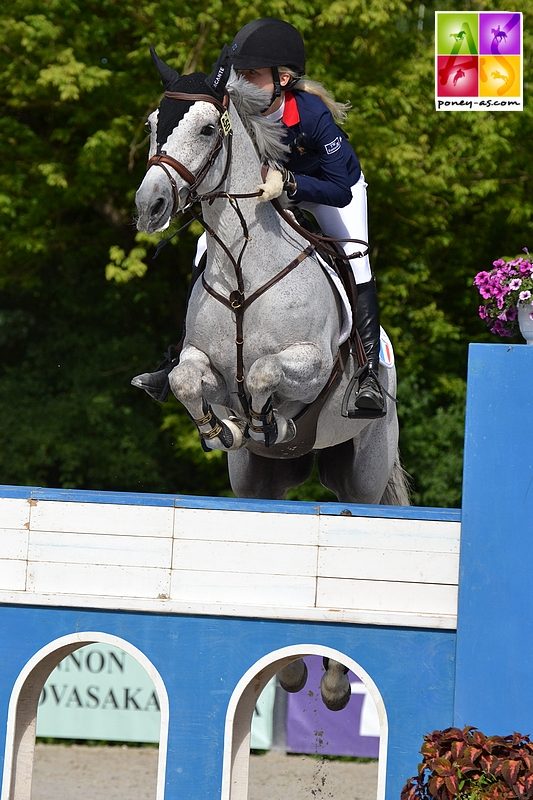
x=468, y=765
x=448, y=194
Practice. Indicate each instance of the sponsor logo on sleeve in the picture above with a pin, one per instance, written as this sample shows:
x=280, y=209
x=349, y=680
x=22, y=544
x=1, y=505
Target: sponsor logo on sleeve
x=333, y=146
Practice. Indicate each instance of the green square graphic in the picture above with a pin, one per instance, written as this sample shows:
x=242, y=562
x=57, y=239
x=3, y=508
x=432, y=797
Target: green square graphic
x=457, y=33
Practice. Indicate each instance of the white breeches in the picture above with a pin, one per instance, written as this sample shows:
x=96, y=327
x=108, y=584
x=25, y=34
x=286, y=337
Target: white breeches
x=350, y=222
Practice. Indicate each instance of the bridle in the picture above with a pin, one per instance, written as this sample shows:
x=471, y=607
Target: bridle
x=163, y=160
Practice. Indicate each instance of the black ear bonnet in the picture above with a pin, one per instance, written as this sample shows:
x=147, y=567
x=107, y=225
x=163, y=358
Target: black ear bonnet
x=171, y=111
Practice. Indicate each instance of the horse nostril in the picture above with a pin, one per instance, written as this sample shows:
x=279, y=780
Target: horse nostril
x=157, y=207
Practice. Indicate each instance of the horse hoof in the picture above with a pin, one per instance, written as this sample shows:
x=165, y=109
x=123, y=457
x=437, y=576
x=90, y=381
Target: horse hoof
x=335, y=687
x=238, y=428
x=230, y=436
x=293, y=677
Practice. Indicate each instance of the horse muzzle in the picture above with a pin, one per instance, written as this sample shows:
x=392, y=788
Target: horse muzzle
x=155, y=205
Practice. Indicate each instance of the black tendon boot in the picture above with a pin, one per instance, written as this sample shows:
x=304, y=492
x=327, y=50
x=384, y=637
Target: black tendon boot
x=369, y=400
x=156, y=383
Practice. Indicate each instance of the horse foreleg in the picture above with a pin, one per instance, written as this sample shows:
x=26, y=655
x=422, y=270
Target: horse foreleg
x=296, y=374
x=335, y=686
x=192, y=381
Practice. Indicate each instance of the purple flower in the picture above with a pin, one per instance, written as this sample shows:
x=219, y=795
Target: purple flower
x=499, y=329
x=508, y=282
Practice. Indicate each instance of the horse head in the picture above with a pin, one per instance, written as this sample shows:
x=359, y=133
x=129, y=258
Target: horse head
x=187, y=131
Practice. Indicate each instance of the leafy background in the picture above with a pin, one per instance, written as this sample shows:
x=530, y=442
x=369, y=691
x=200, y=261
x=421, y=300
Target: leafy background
x=84, y=306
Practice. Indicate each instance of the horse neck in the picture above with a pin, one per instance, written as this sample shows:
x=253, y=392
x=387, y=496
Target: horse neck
x=244, y=177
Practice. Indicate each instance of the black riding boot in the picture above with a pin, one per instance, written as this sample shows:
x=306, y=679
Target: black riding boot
x=369, y=400
x=156, y=383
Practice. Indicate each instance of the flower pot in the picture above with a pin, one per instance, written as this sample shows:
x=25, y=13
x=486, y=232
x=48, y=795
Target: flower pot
x=525, y=321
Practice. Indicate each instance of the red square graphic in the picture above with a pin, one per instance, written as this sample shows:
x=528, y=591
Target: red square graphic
x=457, y=76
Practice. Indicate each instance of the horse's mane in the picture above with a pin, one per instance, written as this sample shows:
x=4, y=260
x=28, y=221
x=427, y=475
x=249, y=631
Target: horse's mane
x=266, y=134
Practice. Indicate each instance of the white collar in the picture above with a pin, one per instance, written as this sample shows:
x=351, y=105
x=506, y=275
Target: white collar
x=277, y=115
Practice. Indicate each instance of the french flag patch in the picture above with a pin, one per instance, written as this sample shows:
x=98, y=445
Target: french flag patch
x=386, y=353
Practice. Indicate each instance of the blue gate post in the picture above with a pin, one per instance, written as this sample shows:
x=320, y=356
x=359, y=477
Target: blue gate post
x=494, y=685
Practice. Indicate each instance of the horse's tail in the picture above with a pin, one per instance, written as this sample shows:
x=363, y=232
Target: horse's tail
x=398, y=491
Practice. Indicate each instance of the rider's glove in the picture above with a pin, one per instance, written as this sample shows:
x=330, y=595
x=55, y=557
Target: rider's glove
x=272, y=187
x=277, y=182
x=289, y=182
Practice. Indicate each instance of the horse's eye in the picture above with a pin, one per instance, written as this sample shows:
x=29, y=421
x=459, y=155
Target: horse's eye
x=147, y=126
x=208, y=130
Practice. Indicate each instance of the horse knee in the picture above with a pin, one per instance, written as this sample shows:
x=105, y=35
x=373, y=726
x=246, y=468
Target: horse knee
x=264, y=376
x=191, y=381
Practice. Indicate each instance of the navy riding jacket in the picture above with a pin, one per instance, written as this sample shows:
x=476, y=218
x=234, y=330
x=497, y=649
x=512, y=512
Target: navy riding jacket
x=323, y=161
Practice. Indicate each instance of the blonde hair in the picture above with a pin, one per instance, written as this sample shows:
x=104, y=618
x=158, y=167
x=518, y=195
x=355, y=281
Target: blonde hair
x=304, y=84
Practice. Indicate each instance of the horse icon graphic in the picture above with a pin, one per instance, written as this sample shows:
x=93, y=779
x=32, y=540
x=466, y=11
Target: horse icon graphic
x=498, y=76
x=498, y=34
x=458, y=75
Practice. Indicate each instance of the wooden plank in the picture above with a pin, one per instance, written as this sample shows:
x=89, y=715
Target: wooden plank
x=388, y=565
x=242, y=588
x=390, y=534
x=13, y=543
x=120, y=520
x=247, y=610
x=91, y=579
x=269, y=559
x=418, y=598
x=249, y=526
x=92, y=548
x=13, y=575
x=14, y=512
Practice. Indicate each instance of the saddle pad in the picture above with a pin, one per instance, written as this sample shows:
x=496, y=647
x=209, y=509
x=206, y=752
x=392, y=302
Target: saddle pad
x=386, y=352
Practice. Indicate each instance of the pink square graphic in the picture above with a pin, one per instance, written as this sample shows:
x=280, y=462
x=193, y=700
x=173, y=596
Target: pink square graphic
x=457, y=76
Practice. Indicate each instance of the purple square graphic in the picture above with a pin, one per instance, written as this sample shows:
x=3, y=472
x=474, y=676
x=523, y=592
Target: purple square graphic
x=312, y=728
x=500, y=34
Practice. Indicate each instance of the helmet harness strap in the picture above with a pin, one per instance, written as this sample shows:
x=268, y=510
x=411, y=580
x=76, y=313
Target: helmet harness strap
x=277, y=85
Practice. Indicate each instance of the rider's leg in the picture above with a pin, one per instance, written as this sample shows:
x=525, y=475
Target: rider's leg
x=370, y=396
x=351, y=222
x=156, y=384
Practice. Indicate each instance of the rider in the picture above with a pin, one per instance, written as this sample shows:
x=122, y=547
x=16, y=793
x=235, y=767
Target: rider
x=322, y=175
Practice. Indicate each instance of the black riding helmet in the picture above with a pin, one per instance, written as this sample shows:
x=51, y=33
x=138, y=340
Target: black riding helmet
x=271, y=43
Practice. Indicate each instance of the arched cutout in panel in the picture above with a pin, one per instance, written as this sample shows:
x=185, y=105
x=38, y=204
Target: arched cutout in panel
x=242, y=703
x=23, y=704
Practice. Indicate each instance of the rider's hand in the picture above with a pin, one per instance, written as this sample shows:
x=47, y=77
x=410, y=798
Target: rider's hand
x=276, y=182
x=272, y=187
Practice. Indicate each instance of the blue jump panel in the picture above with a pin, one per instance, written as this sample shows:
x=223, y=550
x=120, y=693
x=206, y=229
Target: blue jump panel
x=201, y=659
x=494, y=685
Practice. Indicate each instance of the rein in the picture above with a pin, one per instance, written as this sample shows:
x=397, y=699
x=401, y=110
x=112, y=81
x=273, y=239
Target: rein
x=326, y=244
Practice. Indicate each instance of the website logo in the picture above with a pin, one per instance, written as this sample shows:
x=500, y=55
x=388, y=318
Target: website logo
x=478, y=61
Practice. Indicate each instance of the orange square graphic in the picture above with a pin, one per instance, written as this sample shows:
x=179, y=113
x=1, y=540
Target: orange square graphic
x=499, y=76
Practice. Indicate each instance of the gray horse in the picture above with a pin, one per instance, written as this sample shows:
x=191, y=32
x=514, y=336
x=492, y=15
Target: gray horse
x=263, y=323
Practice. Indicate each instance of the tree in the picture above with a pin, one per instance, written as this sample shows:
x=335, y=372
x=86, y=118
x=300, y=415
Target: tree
x=85, y=306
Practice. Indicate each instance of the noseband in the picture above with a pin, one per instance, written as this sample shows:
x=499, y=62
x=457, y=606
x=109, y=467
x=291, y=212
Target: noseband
x=224, y=130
